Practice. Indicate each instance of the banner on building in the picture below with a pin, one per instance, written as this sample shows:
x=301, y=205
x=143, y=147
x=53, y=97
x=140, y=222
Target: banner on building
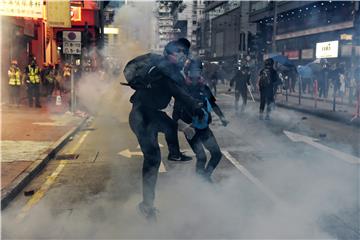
x=58, y=13
x=327, y=49
x=22, y=8
x=292, y=55
x=307, y=54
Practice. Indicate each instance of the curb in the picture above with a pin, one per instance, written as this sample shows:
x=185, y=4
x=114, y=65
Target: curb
x=26, y=176
x=318, y=113
x=322, y=114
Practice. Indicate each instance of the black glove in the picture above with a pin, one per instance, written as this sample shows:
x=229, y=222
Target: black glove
x=224, y=121
x=229, y=90
x=199, y=113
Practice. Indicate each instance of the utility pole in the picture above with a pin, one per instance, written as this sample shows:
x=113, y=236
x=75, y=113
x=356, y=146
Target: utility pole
x=274, y=28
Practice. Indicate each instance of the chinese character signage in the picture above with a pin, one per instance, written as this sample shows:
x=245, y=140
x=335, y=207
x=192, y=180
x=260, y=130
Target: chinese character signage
x=327, y=49
x=71, y=42
x=58, y=13
x=22, y=8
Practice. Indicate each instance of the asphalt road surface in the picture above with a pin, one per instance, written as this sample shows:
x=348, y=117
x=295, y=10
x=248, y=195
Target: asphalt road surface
x=295, y=176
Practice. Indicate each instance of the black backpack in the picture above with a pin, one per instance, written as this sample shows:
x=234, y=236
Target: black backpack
x=137, y=71
x=265, y=78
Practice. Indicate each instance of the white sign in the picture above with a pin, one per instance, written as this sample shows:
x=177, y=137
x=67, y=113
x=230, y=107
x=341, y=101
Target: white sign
x=71, y=42
x=71, y=36
x=327, y=49
x=22, y=8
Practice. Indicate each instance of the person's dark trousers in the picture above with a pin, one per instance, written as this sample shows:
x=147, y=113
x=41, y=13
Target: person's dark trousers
x=33, y=91
x=322, y=90
x=14, y=94
x=49, y=89
x=266, y=98
x=305, y=84
x=205, y=138
x=243, y=94
x=146, y=124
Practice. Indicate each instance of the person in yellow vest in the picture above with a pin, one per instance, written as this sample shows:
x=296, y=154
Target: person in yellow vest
x=33, y=83
x=14, y=83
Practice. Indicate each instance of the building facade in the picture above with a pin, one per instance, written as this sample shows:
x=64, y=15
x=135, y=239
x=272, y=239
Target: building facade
x=302, y=29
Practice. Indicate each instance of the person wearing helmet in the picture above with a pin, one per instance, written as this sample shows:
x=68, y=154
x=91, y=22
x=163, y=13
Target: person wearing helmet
x=241, y=80
x=204, y=137
x=268, y=77
x=33, y=83
x=147, y=119
x=14, y=83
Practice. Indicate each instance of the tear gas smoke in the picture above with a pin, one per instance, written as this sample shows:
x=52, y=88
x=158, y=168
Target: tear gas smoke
x=310, y=185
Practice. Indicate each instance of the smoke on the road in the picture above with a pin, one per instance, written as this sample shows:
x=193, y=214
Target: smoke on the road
x=309, y=184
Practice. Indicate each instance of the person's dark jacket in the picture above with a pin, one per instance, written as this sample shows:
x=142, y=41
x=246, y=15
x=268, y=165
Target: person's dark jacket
x=198, y=92
x=166, y=83
x=273, y=77
x=241, y=79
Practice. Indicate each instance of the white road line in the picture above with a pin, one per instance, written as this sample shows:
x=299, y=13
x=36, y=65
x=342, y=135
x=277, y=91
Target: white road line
x=251, y=177
x=295, y=137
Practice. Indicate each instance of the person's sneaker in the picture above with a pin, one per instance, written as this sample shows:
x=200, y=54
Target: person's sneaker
x=150, y=213
x=179, y=158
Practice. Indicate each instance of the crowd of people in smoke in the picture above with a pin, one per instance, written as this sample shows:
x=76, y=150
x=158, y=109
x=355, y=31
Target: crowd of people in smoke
x=321, y=78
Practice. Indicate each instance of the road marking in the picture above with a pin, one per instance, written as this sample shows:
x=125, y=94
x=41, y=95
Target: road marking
x=49, y=181
x=295, y=137
x=160, y=145
x=252, y=178
x=128, y=154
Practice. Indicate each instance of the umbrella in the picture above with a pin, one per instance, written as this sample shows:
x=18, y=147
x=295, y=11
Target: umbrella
x=283, y=60
x=305, y=71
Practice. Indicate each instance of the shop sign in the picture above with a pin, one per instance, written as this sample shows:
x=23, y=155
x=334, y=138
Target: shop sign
x=307, y=54
x=29, y=29
x=293, y=55
x=327, y=49
x=58, y=14
x=22, y=8
x=71, y=42
x=347, y=37
x=75, y=14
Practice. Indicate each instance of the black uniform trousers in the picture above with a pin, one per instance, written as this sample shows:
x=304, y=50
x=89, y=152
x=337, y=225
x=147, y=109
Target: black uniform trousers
x=33, y=91
x=146, y=123
x=243, y=93
x=14, y=94
x=266, y=98
x=205, y=137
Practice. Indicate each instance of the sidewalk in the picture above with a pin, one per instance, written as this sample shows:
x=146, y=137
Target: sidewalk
x=30, y=137
x=343, y=114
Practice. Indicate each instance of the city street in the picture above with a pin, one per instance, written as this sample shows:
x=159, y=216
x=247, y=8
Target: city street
x=85, y=83
x=275, y=180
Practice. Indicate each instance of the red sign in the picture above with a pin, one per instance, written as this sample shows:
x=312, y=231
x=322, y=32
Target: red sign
x=292, y=54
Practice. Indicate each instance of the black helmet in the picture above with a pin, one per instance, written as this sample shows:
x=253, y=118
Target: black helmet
x=181, y=44
x=269, y=62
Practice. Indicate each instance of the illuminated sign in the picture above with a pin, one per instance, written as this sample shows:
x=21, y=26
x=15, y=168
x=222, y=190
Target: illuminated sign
x=75, y=14
x=327, y=49
x=346, y=37
x=294, y=55
x=22, y=8
x=110, y=30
